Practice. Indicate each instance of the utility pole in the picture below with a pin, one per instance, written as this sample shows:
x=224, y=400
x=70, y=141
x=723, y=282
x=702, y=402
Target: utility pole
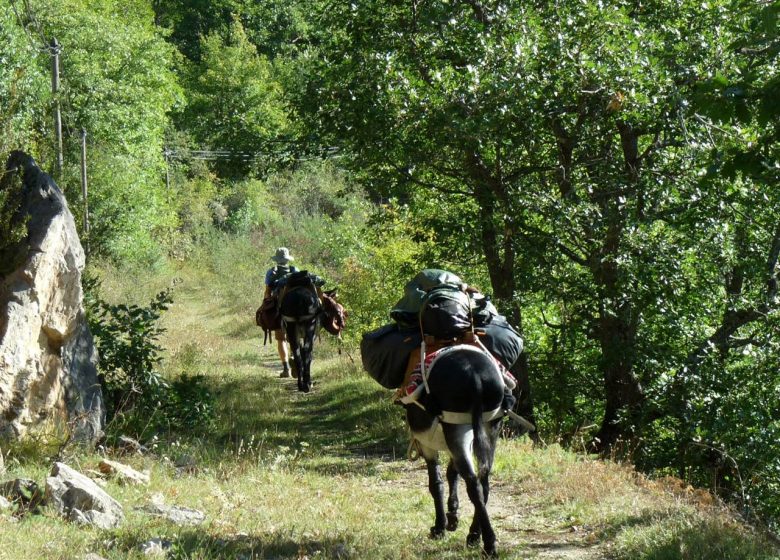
x=84, y=184
x=55, y=86
x=166, y=153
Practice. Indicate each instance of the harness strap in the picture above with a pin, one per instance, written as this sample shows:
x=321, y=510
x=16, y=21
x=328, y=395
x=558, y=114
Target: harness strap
x=449, y=417
x=425, y=371
x=522, y=421
x=288, y=319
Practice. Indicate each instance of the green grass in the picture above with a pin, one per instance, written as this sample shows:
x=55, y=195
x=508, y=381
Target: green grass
x=324, y=475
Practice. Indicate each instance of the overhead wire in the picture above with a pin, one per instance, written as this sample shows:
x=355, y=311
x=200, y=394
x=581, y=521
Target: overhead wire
x=224, y=154
x=53, y=49
x=38, y=27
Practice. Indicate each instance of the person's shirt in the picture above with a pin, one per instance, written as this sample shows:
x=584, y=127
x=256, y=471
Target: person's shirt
x=276, y=273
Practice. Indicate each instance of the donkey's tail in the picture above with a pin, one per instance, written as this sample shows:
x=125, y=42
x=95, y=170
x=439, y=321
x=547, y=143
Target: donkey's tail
x=481, y=444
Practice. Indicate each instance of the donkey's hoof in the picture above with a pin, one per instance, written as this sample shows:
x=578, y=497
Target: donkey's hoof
x=452, y=521
x=472, y=539
x=491, y=552
x=436, y=533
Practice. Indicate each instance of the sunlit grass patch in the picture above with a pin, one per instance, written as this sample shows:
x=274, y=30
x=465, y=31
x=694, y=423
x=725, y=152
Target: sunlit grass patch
x=612, y=503
x=688, y=535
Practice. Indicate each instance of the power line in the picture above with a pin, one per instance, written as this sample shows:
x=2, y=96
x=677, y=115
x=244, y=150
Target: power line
x=226, y=155
x=38, y=28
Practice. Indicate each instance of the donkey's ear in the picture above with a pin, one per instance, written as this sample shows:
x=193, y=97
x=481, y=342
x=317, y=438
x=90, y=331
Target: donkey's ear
x=332, y=293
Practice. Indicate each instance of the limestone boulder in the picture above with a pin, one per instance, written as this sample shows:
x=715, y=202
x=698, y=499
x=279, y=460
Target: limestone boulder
x=179, y=515
x=48, y=362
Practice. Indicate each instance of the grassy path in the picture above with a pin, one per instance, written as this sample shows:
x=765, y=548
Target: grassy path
x=283, y=475
x=344, y=444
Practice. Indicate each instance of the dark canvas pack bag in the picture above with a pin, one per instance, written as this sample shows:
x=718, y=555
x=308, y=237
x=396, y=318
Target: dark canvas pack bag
x=385, y=353
x=445, y=312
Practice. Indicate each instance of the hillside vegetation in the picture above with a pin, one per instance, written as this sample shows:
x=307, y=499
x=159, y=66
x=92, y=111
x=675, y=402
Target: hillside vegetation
x=281, y=474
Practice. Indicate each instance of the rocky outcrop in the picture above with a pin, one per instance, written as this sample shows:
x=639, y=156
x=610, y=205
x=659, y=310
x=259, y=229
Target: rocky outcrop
x=48, y=372
x=176, y=514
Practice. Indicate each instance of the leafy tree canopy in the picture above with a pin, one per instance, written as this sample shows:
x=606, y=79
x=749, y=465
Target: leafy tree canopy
x=235, y=103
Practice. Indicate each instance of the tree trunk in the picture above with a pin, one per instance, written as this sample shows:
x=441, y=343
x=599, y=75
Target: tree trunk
x=500, y=266
x=623, y=393
x=617, y=337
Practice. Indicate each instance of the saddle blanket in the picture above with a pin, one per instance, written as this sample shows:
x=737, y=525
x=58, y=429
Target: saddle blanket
x=416, y=385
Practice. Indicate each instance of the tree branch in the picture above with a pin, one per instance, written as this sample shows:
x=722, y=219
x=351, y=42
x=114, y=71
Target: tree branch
x=480, y=13
x=771, y=267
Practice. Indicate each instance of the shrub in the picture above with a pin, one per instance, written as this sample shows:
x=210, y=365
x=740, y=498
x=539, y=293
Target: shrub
x=13, y=230
x=138, y=398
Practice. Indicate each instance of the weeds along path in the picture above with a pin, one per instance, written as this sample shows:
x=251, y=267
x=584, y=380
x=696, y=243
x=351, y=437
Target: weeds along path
x=325, y=474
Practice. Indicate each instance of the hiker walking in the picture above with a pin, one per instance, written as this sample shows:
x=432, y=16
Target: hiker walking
x=282, y=258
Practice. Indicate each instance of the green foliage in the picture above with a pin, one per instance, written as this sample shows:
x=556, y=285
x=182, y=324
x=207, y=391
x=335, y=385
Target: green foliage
x=557, y=150
x=376, y=260
x=234, y=102
x=249, y=206
x=742, y=98
x=275, y=27
x=607, y=171
x=127, y=340
x=312, y=189
x=139, y=399
x=117, y=83
x=196, y=208
x=23, y=94
x=13, y=229
x=190, y=405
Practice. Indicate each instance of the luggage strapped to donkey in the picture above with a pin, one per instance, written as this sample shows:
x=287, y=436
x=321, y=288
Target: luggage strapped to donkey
x=301, y=279
x=437, y=315
x=464, y=339
x=268, y=317
x=386, y=351
x=333, y=316
x=446, y=321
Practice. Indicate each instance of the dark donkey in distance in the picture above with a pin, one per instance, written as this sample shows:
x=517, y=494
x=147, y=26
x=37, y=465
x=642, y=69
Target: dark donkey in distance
x=303, y=311
x=461, y=415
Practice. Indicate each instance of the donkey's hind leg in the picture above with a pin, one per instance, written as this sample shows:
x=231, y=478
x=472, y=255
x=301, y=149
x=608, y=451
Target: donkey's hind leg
x=295, y=350
x=459, y=441
x=486, y=464
x=452, y=501
x=436, y=488
x=309, y=331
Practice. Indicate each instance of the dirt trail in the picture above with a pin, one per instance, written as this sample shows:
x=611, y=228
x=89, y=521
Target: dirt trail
x=521, y=527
